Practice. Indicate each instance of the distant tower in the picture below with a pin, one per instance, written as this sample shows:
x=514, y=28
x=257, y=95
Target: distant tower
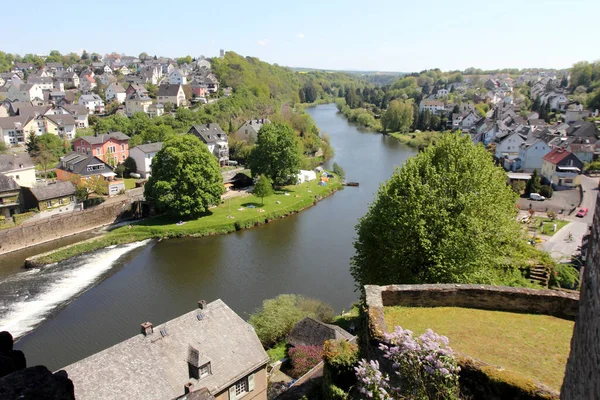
x=222, y=53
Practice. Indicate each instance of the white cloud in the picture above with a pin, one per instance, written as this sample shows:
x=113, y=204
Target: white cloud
x=300, y=35
x=263, y=42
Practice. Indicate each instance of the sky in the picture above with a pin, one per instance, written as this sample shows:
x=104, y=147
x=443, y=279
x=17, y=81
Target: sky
x=400, y=35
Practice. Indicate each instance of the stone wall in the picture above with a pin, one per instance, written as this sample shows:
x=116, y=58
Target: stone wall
x=478, y=379
x=582, y=377
x=57, y=226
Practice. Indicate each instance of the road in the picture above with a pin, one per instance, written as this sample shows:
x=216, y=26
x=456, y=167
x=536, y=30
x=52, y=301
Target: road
x=590, y=194
x=560, y=247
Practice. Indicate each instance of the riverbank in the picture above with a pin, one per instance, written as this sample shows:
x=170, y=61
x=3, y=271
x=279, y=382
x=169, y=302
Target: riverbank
x=232, y=215
x=417, y=140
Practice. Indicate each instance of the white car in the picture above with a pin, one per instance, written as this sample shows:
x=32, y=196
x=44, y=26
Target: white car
x=536, y=197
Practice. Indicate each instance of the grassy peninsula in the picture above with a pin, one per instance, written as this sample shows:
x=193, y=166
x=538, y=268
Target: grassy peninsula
x=232, y=215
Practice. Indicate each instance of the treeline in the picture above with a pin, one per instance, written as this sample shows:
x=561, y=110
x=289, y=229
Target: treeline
x=584, y=84
x=7, y=60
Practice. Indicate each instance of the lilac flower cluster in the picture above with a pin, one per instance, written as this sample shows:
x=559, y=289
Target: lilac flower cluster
x=425, y=366
x=372, y=382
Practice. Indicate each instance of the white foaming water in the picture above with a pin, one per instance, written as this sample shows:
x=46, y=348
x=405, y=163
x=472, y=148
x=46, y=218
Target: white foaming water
x=25, y=314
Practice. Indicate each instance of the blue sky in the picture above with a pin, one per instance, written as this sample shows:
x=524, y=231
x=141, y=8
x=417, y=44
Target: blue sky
x=359, y=35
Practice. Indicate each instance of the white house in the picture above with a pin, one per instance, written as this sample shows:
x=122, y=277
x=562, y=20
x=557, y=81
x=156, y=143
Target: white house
x=20, y=167
x=115, y=91
x=434, y=106
x=173, y=94
x=442, y=93
x=469, y=120
x=509, y=146
x=143, y=155
x=306, y=176
x=25, y=92
x=177, y=77
x=137, y=102
x=92, y=102
x=530, y=155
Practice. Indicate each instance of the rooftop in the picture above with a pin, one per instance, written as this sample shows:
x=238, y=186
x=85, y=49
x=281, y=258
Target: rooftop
x=16, y=161
x=53, y=191
x=105, y=137
x=149, y=147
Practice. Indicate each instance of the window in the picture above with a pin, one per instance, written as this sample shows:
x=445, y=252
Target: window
x=60, y=201
x=49, y=203
x=122, y=147
x=241, y=387
x=17, y=176
x=72, y=198
x=204, y=370
x=98, y=152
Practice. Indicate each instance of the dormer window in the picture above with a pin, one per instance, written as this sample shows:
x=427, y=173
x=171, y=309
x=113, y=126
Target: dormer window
x=204, y=370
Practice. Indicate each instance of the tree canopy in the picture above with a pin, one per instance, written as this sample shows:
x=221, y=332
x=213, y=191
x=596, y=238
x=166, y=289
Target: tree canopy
x=185, y=179
x=263, y=188
x=398, y=117
x=446, y=216
x=277, y=154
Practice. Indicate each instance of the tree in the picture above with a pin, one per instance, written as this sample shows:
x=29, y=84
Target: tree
x=152, y=90
x=263, y=188
x=85, y=55
x=120, y=170
x=32, y=144
x=398, y=117
x=276, y=155
x=534, y=184
x=168, y=107
x=43, y=157
x=446, y=216
x=55, y=145
x=143, y=55
x=186, y=178
x=339, y=170
x=130, y=165
x=518, y=187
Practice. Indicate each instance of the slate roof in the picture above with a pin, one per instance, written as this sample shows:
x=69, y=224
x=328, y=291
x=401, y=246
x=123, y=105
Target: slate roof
x=208, y=133
x=62, y=119
x=149, y=148
x=582, y=129
x=556, y=155
x=168, y=90
x=104, y=137
x=53, y=191
x=13, y=162
x=255, y=124
x=8, y=184
x=310, y=332
x=77, y=163
x=156, y=366
x=76, y=109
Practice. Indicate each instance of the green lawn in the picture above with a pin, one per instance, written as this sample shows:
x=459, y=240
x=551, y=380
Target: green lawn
x=534, y=346
x=547, y=228
x=235, y=214
x=129, y=183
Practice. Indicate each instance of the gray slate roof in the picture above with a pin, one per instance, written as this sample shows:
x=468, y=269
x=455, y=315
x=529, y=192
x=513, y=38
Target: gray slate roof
x=310, y=332
x=168, y=90
x=104, y=137
x=77, y=163
x=156, y=366
x=8, y=184
x=12, y=162
x=208, y=133
x=53, y=191
x=149, y=148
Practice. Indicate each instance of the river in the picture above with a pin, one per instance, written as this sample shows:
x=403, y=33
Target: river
x=73, y=309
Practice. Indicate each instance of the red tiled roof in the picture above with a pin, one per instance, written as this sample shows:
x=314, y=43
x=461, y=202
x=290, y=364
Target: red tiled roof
x=556, y=155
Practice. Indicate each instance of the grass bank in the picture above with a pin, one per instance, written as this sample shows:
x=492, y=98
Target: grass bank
x=532, y=346
x=232, y=215
x=418, y=140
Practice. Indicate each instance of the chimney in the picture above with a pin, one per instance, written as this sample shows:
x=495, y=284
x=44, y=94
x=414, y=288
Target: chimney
x=208, y=125
x=188, y=388
x=147, y=329
x=202, y=304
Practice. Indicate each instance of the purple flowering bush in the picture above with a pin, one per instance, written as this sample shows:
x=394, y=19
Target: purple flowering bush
x=425, y=367
x=303, y=358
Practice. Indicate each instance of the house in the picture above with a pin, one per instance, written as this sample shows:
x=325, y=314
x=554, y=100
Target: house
x=442, y=93
x=507, y=148
x=582, y=129
x=583, y=148
x=112, y=147
x=51, y=199
x=156, y=110
x=19, y=167
x=25, y=92
x=87, y=83
x=469, y=121
x=433, y=106
x=45, y=83
x=530, y=155
x=143, y=155
x=14, y=130
x=70, y=79
x=213, y=136
x=115, y=91
x=173, y=94
x=151, y=74
x=92, y=102
x=249, y=131
x=134, y=87
x=311, y=332
x=55, y=66
x=10, y=197
x=560, y=167
x=177, y=77
x=208, y=353
x=62, y=125
x=79, y=113
x=106, y=79
x=78, y=168
x=137, y=102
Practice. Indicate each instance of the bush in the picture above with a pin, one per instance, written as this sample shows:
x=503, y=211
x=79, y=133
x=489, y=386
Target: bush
x=546, y=191
x=303, y=359
x=274, y=320
x=564, y=276
x=339, y=171
x=518, y=187
x=340, y=358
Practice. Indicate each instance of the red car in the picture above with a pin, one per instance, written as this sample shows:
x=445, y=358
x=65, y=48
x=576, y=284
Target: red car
x=582, y=212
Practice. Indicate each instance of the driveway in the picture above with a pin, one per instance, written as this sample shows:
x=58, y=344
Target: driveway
x=561, y=200
x=559, y=246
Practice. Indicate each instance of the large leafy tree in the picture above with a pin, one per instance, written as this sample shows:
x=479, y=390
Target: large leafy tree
x=277, y=154
x=446, y=216
x=398, y=117
x=185, y=179
x=263, y=188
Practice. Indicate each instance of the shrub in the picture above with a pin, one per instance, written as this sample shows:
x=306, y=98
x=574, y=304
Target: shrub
x=546, y=191
x=274, y=320
x=340, y=358
x=518, y=187
x=425, y=367
x=303, y=359
x=564, y=276
x=339, y=171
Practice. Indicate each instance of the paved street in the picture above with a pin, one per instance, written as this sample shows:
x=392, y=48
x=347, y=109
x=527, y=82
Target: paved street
x=559, y=246
x=590, y=194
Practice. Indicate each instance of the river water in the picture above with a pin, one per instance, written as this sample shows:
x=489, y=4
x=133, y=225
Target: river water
x=73, y=309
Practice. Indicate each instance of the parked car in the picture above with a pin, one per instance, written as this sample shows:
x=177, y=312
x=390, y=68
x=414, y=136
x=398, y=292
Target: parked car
x=582, y=212
x=536, y=197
